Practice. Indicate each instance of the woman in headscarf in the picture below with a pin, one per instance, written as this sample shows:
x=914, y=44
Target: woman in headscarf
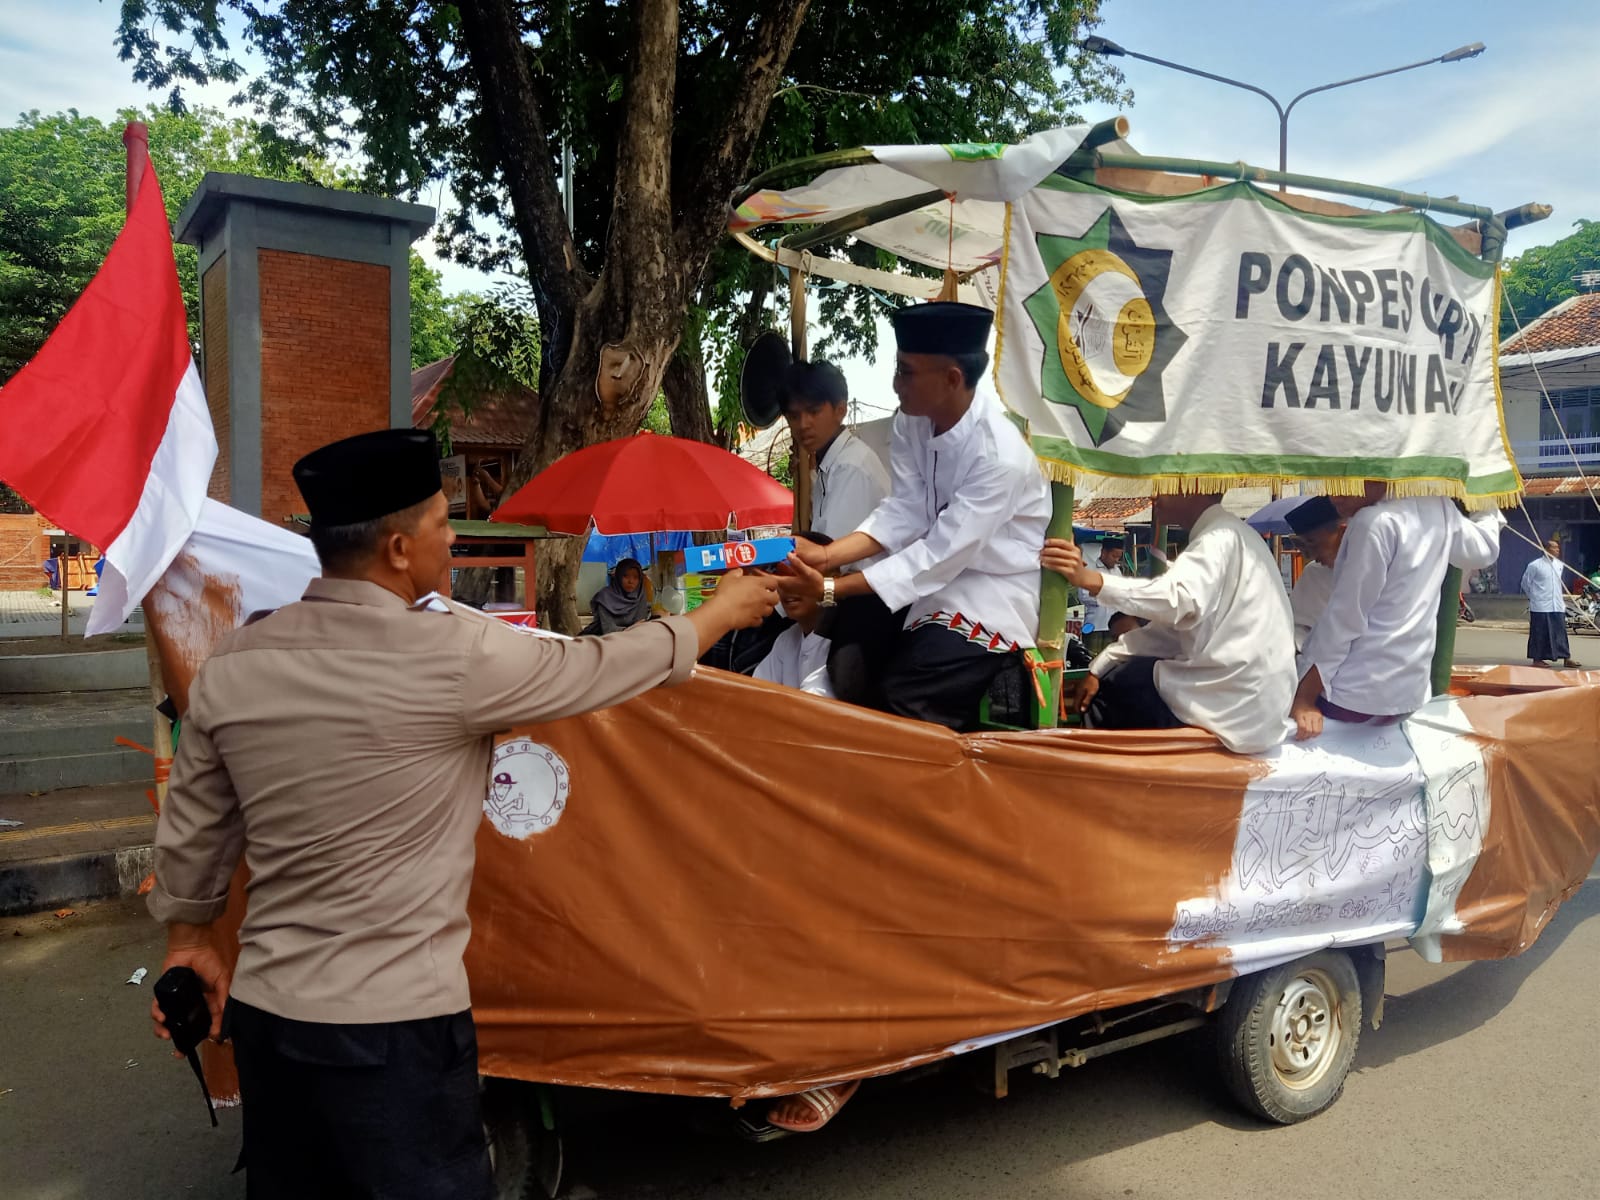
x=622, y=602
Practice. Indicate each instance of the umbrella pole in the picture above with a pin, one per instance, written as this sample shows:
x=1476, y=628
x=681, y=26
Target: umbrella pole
x=799, y=460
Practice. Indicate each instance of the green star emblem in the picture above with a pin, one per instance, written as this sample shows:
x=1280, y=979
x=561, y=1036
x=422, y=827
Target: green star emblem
x=1106, y=334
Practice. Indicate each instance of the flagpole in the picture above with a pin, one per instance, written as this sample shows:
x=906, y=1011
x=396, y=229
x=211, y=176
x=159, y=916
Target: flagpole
x=136, y=141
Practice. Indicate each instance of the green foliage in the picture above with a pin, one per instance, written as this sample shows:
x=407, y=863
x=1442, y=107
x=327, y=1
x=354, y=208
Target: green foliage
x=391, y=83
x=434, y=316
x=1536, y=281
x=495, y=338
x=62, y=204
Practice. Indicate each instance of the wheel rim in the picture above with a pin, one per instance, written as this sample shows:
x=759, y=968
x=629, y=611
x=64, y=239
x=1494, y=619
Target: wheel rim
x=1307, y=1031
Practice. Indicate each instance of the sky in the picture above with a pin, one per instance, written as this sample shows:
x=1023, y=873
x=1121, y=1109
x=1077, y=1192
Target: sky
x=1515, y=124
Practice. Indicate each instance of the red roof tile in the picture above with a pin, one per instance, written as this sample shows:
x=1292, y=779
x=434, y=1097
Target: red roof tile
x=502, y=421
x=1110, y=512
x=1573, y=323
x=1561, y=485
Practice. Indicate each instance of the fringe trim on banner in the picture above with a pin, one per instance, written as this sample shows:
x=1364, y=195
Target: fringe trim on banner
x=1134, y=487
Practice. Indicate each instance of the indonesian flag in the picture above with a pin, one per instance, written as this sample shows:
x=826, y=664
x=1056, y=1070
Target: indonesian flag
x=107, y=429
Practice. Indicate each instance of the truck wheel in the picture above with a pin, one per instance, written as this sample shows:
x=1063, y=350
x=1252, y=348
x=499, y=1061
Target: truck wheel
x=1287, y=1037
x=524, y=1147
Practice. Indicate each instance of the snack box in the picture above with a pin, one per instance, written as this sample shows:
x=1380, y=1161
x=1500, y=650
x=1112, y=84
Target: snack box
x=724, y=556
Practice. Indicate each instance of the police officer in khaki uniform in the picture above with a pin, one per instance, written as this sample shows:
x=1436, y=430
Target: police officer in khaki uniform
x=342, y=744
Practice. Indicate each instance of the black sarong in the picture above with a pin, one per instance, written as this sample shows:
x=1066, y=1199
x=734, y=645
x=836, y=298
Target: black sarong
x=359, y=1112
x=1128, y=699
x=1547, y=637
x=936, y=674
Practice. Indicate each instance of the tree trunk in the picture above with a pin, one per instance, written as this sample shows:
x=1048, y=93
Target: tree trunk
x=572, y=415
x=688, y=404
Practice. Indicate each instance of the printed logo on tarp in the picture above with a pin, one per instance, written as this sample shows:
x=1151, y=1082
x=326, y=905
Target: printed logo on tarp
x=528, y=788
x=1102, y=313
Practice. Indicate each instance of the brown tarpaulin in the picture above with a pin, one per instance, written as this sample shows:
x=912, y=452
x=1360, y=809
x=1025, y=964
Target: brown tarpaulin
x=750, y=891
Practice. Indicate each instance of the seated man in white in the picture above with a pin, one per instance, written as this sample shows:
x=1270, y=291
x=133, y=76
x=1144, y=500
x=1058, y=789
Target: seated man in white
x=955, y=576
x=1320, y=530
x=1369, y=658
x=1218, y=652
x=799, y=656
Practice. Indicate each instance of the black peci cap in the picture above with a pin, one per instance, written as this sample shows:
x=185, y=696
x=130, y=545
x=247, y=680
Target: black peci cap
x=368, y=476
x=1316, y=513
x=943, y=327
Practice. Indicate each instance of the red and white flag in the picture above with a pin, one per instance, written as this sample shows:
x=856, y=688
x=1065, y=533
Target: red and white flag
x=106, y=430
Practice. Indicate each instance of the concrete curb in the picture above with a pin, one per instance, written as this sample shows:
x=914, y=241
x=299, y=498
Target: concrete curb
x=40, y=884
x=95, y=671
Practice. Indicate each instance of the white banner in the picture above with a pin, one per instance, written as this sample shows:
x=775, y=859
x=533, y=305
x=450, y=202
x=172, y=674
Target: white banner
x=1225, y=337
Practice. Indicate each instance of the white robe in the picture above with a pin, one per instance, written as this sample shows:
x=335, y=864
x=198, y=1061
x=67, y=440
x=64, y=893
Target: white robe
x=1541, y=583
x=797, y=660
x=846, y=486
x=1374, y=644
x=1309, y=599
x=964, y=522
x=1221, y=626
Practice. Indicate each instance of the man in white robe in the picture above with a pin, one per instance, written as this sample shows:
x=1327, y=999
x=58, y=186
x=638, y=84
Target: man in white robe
x=1320, y=530
x=1547, y=608
x=959, y=534
x=848, y=481
x=1218, y=652
x=1369, y=659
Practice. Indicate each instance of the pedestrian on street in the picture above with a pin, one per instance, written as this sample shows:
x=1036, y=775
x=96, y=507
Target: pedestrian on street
x=1547, y=609
x=341, y=744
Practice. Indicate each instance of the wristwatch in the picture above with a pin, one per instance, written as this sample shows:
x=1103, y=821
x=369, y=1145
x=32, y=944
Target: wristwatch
x=827, y=600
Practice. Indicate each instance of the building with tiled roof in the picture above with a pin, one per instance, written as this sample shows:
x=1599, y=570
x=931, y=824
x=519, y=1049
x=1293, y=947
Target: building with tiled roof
x=1550, y=383
x=483, y=444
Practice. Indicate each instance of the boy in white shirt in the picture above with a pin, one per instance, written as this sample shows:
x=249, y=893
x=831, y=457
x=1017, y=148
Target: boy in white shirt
x=1368, y=659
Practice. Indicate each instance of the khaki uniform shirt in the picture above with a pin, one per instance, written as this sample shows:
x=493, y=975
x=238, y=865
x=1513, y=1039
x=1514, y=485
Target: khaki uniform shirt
x=342, y=744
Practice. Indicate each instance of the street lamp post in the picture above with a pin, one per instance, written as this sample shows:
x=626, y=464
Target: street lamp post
x=1110, y=49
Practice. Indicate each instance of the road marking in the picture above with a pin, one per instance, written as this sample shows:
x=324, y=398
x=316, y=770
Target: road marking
x=28, y=835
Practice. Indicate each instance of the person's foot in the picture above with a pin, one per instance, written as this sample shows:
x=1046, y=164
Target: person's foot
x=810, y=1111
x=1572, y=664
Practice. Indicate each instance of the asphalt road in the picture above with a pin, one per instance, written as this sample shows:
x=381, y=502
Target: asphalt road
x=1507, y=642
x=1484, y=1081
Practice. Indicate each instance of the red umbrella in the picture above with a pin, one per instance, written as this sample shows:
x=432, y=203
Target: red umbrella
x=645, y=484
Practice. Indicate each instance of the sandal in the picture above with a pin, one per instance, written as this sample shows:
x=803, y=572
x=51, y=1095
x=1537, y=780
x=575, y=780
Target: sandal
x=815, y=1108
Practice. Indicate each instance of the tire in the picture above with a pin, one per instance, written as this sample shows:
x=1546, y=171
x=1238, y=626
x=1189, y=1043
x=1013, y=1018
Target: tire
x=1467, y=615
x=1287, y=1037
x=526, y=1155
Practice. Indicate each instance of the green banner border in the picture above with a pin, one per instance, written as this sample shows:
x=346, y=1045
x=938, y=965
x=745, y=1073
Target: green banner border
x=1274, y=466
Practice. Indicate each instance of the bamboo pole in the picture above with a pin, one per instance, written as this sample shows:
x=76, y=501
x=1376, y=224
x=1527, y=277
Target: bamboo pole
x=1314, y=183
x=136, y=141
x=1053, y=607
x=799, y=459
x=66, y=591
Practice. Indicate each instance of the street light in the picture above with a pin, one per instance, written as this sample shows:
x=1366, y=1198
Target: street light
x=1110, y=49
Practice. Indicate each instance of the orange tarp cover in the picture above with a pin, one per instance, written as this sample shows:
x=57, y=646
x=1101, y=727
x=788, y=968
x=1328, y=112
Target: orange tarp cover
x=746, y=890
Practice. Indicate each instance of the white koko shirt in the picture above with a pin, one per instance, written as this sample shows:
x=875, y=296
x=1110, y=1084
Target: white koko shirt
x=846, y=485
x=1374, y=643
x=1541, y=582
x=964, y=521
x=1221, y=626
x=1309, y=599
x=797, y=660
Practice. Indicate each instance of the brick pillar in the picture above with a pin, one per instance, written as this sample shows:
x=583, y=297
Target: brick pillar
x=305, y=318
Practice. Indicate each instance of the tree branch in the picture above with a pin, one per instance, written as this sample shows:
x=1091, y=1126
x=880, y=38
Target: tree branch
x=499, y=62
x=764, y=57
